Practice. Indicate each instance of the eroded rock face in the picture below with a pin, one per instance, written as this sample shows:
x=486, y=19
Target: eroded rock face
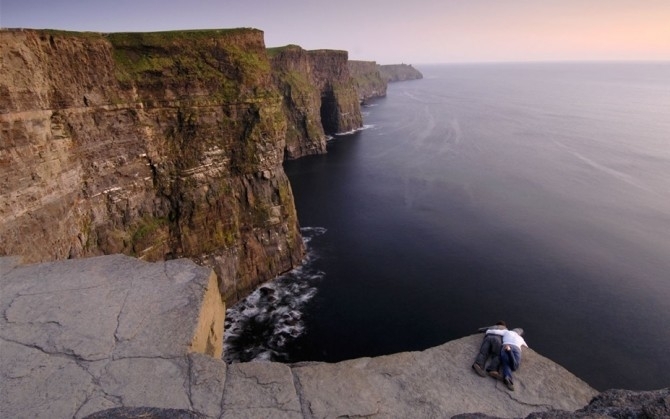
x=367, y=79
x=291, y=68
x=340, y=109
x=158, y=145
x=319, y=97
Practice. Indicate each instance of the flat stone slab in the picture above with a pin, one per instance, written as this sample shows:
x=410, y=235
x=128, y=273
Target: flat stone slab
x=117, y=337
x=81, y=335
x=261, y=390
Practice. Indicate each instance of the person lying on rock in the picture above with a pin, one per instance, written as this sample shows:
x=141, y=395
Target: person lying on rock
x=510, y=354
x=490, y=348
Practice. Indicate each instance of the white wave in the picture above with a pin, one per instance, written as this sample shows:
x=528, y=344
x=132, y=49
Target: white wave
x=308, y=233
x=261, y=326
x=353, y=131
x=318, y=230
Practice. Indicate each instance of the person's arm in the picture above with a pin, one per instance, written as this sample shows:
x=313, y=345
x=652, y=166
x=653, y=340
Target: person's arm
x=498, y=332
x=484, y=329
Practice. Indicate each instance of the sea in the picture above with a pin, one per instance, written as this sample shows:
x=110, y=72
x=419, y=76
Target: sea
x=534, y=193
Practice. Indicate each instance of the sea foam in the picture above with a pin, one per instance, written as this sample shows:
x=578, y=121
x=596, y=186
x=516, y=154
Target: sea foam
x=259, y=327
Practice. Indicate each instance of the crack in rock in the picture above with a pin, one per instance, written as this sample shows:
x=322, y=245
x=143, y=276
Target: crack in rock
x=305, y=406
x=118, y=318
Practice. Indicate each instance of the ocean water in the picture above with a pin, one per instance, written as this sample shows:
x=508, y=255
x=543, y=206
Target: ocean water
x=538, y=194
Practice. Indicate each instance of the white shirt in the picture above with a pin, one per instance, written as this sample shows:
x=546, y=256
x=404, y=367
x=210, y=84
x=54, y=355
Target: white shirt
x=513, y=338
x=509, y=337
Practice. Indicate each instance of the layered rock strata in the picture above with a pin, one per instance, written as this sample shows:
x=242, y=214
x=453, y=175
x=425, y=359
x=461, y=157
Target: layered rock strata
x=340, y=110
x=157, y=145
x=292, y=69
x=367, y=79
x=319, y=97
x=84, y=336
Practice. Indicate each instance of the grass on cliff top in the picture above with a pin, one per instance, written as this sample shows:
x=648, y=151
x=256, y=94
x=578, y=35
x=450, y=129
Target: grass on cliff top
x=184, y=56
x=166, y=37
x=143, y=37
x=71, y=34
x=274, y=51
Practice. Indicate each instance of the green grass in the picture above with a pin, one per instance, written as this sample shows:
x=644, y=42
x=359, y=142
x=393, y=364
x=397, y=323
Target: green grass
x=217, y=59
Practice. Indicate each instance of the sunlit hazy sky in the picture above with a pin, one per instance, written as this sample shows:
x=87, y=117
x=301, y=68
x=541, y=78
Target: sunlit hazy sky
x=389, y=31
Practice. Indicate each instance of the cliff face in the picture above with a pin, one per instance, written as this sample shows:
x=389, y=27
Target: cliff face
x=156, y=145
x=340, y=109
x=399, y=72
x=367, y=79
x=319, y=97
x=292, y=72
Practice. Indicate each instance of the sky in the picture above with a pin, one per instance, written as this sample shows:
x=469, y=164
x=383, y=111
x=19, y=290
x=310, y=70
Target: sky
x=389, y=31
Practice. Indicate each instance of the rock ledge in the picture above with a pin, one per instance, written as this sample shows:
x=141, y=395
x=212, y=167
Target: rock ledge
x=81, y=337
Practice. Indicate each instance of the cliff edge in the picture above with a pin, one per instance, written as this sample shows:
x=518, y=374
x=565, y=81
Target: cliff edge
x=112, y=335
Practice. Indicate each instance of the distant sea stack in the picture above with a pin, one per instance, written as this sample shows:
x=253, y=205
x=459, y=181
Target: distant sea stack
x=399, y=72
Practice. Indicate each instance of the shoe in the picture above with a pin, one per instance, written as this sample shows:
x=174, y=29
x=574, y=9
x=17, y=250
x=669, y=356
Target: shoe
x=495, y=374
x=509, y=383
x=479, y=370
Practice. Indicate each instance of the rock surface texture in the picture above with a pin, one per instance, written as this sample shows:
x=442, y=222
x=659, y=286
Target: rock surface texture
x=113, y=336
x=319, y=94
x=156, y=145
x=608, y=404
x=368, y=79
x=340, y=109
x=85, y=335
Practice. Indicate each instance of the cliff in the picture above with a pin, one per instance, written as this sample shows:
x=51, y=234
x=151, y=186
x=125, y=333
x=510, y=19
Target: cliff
x=113, y=337
x=291, y=69
x=340, y=110
x=367, y=79
x=319, y=97
x=399, y=72
x=156, y=145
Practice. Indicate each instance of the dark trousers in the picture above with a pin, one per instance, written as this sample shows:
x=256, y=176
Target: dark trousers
x=490, y=347
x=510, y=361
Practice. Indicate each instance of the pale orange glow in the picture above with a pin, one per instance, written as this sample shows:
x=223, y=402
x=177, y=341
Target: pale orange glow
x=419, y=31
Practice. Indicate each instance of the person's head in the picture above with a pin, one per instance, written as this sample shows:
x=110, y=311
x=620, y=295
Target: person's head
x=501, y=323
